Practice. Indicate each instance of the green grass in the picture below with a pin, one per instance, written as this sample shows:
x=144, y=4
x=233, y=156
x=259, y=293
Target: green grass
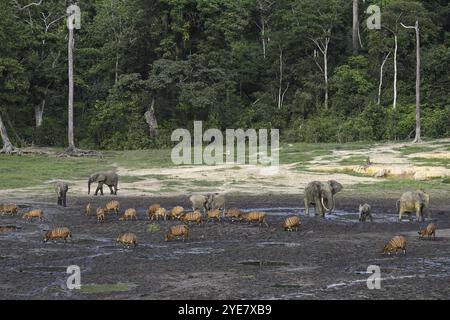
x=30, y=170
x=106, y=288
x=432, y=162
x=152, y=228
x=353, y=160
x=414, y=149
x=446, y=180
x=397, y=185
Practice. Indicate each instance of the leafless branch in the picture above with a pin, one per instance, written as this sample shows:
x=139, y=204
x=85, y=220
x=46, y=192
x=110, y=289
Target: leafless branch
x=26, y=6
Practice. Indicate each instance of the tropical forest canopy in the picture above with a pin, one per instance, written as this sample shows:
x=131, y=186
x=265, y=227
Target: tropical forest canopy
x=230, y=63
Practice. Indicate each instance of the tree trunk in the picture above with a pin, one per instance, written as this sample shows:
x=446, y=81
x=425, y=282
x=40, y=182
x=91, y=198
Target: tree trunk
x=39, y=113
x=152, y=123
x=381, y=77
x=70, y=111
x=7, y=145
x=418, y=137
x=325, y=71
x=281, y=79
x=355, y=29
x=394, y=104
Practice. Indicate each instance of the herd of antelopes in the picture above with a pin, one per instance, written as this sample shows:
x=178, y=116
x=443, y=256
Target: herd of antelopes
x=156, y=212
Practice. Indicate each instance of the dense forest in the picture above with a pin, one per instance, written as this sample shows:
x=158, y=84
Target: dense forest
x=311, y=68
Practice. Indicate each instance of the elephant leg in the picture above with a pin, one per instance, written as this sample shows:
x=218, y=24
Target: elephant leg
x=419, y=213
x=319, y=209
x=115, y=189
x=59, y=201
x=99, y=188
x=110, y=189
x=64, y=200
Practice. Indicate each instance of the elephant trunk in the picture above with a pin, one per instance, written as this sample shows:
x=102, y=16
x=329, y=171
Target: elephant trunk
x=89, y=186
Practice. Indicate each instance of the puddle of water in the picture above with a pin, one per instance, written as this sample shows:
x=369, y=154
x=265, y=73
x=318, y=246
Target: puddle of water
x=204, y=250
x=264, y=263
x=42, y=269
x=337, y=215
x=284, y=244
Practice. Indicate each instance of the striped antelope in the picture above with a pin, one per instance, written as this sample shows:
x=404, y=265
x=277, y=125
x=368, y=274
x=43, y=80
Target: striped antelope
x=234, y=214
x=152, y=210
x=9, y=209
x=113, y=206
x=58, y=233
x=128, y=239
x=195, y=216
x=159, y=213
x=37, y=213
x=129, y=214
x=292, y=222
x=255, y=216
x=100, y=215
x=429, y=231
x=87, y=210
x=176, y=212
x=180, y=230
x=395, y=244
x=214, y=214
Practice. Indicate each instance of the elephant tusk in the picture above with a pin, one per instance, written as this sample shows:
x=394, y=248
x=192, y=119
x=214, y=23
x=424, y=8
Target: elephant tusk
x=321, y=200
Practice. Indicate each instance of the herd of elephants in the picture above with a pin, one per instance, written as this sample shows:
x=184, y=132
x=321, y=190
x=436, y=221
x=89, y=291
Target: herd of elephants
x=318, y=194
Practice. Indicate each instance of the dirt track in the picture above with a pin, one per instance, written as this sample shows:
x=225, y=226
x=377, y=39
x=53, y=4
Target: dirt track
x=325, y=259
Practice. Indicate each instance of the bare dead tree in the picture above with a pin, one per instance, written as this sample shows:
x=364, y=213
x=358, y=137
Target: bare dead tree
x=381, y=76
x=395, y=34
x=8, y=147
x=322, y=45
x=281, y=93
x=355, y=27
x=418, y=137
x=263, y=7
x=150, y=118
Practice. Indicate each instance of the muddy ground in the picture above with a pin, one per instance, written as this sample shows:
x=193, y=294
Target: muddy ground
x=325, y=259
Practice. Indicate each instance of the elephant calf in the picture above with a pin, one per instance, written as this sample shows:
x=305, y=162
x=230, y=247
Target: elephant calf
x=111, y=179
x=61, y=189
x=365, y=212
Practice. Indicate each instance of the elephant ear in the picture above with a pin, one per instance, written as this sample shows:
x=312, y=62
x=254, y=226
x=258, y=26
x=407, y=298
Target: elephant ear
x=335, y=186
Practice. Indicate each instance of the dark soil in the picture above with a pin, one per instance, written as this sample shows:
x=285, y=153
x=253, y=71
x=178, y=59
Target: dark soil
x=325, y=259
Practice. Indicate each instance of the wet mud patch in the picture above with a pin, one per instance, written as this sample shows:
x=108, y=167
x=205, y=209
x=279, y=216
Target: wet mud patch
x=224, y=260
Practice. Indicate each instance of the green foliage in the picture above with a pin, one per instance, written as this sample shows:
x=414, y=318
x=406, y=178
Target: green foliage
x=204, y=60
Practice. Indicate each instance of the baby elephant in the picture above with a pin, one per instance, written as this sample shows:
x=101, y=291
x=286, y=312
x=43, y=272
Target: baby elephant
x=365, y=212
x=61, y=191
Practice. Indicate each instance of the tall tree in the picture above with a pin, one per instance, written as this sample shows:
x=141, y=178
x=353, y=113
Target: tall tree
x=418, y=137
x=355, y=27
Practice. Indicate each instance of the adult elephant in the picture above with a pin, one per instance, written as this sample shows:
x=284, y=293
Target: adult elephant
x=111, y=179
x=321, y=195
x=410, y=201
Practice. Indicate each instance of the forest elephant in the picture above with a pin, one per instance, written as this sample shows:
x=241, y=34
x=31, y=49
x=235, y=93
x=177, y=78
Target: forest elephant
x=111, y=179
x=410, y=201
x=198, y=202
x=321, y=195
x=61, y=189
x=215, y=201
